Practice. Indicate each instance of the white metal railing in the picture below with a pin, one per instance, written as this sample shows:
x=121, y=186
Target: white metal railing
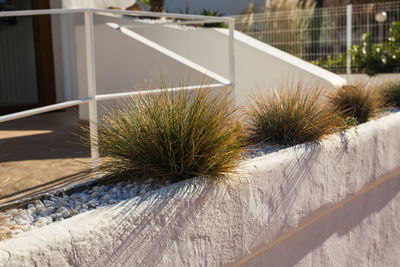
x=93, y=97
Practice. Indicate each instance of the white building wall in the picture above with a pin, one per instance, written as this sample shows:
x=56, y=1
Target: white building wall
x=258, y=65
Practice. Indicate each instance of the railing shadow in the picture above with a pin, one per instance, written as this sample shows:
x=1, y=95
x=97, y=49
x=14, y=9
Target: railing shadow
x=146, y=228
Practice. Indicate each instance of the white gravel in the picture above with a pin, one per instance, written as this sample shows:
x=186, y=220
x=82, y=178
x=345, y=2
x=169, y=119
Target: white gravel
x=262, y=150
x=57, y=208
x=391, y=110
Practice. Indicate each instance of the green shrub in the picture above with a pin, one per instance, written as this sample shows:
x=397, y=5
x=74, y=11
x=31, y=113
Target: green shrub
x=171, y=136
x=390, y=93
x=355, y=101
x=369, y=58
x=349, y=122
x=378, y=58
x=291, y=116
x=335, y=64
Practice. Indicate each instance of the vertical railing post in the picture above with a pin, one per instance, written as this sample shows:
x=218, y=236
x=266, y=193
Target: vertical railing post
x=349, y=18
x=91, y=83
x=231, y=25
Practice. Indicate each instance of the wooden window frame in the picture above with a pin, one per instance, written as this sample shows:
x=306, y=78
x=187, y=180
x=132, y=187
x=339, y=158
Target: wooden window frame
x=44, y=60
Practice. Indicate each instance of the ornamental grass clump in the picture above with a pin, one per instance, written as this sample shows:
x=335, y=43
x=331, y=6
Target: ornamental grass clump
x=171, y=136
x=390, y=93
x=293, y=115
x=355, y=101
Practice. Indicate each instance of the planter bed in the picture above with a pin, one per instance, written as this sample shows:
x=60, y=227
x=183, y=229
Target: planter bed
x=330, y=203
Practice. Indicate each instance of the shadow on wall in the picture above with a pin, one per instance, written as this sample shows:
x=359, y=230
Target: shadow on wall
x=144, y=234
x=340, y=222
x=278, y=202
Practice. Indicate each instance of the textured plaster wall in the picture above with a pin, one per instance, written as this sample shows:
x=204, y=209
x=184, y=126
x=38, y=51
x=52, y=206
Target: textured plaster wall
x=363, y=232
x=330, y=204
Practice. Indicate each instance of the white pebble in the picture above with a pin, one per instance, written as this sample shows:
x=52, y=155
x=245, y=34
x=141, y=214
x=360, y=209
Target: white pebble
x=74, y=212
x=94, y=195
x=31, y=210
x=38, y=203
x=66, y=213
x=58, y=208
x=50, y=210
x=13, y=212
x=41, y=221
x=62, y=203
x=48, y=203
x=39, y=209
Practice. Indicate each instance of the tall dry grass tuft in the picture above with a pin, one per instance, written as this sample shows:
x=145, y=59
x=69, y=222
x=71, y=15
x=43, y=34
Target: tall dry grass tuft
x=356, y=101
x=171, y=136
x=293, y=115
x=391, y=94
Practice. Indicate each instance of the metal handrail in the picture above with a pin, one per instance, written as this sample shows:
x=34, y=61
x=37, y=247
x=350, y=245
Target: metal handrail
x=90, y=64
x=113, y=11
x=48, y=108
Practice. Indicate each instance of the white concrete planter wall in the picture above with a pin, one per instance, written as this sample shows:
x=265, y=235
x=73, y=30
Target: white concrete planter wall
x=330, y=204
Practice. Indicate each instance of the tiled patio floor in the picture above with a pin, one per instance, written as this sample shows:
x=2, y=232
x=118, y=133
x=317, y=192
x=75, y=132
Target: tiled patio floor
x=42, y=152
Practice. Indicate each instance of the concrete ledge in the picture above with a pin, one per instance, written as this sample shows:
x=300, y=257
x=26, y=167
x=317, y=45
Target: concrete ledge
x=301, y=205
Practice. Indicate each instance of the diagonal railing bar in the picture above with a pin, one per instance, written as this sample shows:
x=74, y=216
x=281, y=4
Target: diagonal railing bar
x=168, y=53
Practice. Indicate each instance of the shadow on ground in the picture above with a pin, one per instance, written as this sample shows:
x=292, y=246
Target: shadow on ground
x=47, y=136
x=42, y=153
